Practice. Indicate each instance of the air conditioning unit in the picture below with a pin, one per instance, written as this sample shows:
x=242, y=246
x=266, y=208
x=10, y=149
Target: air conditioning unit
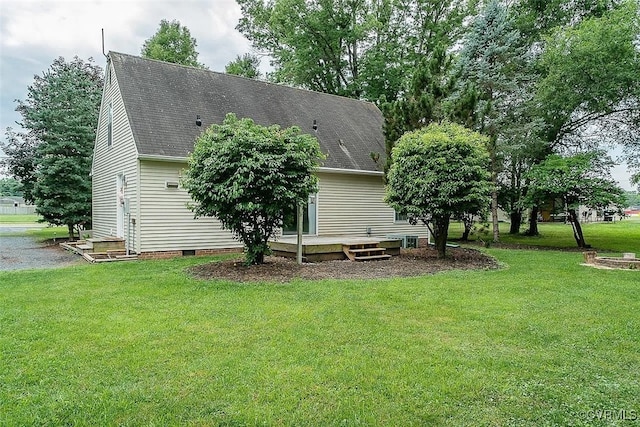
x=407, y=241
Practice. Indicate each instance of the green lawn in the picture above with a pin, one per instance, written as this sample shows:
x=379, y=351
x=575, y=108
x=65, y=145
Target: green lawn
x=19, y=219
x=543, y=341
x=616, y=237
x=40, y=234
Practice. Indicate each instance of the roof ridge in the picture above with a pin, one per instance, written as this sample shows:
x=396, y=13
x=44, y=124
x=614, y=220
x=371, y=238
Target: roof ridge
x=364, y=101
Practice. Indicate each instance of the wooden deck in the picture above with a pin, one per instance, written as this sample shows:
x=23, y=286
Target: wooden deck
x=327, y=248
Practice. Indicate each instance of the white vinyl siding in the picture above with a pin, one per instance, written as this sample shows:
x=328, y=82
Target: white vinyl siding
x=349, y=204
x=166, y=224
x=111, y=160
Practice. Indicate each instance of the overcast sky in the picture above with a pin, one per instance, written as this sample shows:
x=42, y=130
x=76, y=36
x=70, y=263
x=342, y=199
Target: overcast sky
x=33, y=33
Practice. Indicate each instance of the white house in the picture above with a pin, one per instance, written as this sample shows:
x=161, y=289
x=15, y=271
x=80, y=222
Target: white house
x=153, y=111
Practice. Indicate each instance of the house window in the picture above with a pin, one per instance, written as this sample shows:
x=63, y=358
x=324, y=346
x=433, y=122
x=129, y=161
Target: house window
x=401, y=217
x=109, y=126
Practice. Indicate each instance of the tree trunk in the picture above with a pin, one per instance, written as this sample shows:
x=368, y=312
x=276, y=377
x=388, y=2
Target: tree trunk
x=465, y=233
x=494, y=193
x=516, y=220
x=577, y=229
x=71, y=233
x=441, y=230
x=467, y=221
x=494, y=215
x=533, y=222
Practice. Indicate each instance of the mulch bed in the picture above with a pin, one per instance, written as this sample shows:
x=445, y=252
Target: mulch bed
x=411, y=262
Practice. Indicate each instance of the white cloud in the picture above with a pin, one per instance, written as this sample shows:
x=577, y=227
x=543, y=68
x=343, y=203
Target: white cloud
x=35, y=32
x=65, y=28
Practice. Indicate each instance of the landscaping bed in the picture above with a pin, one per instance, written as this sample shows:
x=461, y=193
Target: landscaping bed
x=411, y=262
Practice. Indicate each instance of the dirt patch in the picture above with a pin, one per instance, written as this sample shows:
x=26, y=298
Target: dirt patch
x=411, y=262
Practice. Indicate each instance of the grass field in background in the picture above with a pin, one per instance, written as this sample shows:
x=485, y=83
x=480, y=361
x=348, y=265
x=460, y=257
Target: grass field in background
x=617, y=237
x=19, y=219
x=40, y=234
x=542, y=341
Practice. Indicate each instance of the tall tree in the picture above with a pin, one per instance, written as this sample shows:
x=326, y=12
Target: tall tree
x=591, y=73
x=246, y=65
x=20, y=162
x=356, y=48
x=492, y=62
x=537, y=18
x=422, y=103
x=248, y=176
x=172, y=43
x=61, y=115
x=437, y=173
x=580, y=180
x=564, y=39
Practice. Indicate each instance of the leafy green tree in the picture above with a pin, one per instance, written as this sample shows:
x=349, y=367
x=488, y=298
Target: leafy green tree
x=246, y=65
x=61, y=115
x=172, y=43
x=537, y=18
x=439, y=172
x=360, y=49
x=587, y=88
x=580, y=180
x=632, y=198
x=248, y=176
x=590, y=73
x=20, y=162
x=10, y=187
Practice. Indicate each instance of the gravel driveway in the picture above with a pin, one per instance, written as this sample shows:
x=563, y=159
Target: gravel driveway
x=19, y=252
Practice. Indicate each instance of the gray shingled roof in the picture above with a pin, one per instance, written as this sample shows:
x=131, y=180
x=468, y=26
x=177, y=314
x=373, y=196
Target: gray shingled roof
x=162, y=101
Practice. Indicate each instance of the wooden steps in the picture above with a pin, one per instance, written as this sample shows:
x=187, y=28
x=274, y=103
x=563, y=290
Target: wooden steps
x=364, y=252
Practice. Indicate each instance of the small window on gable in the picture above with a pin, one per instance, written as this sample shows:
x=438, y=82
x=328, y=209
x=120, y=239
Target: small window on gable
x=401, y=217
x=109, y=125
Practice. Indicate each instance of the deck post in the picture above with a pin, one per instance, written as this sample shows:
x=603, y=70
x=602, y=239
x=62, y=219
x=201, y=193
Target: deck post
x=300, y=225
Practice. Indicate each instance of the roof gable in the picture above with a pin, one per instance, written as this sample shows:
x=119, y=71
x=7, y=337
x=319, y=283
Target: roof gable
x=162, y=101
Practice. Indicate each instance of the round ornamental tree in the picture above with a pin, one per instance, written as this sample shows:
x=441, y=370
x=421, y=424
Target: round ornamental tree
x=248, y=176
x=438, y=172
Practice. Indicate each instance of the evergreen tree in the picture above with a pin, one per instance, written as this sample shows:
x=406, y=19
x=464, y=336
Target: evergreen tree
x=491, y=66
x=61, y=114
x=422, y=103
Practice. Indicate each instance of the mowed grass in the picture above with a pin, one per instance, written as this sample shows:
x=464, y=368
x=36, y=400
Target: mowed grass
x=610, y=237
x=542, y=341
x=19, y=219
